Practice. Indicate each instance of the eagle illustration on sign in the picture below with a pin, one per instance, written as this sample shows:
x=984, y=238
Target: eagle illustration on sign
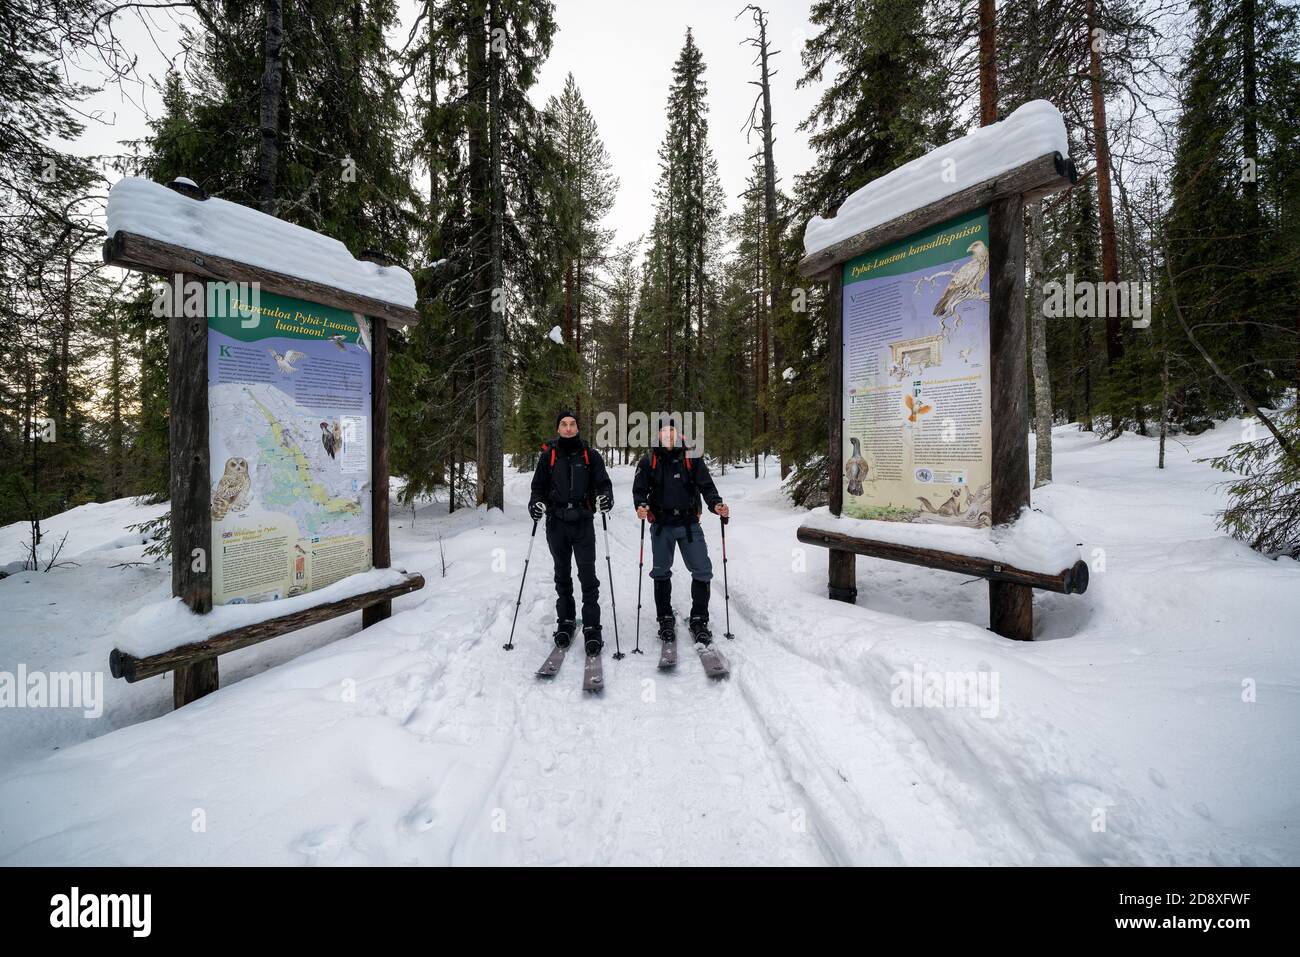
x=963, y=285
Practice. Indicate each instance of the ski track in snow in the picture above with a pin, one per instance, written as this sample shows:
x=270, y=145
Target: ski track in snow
x=421, y=741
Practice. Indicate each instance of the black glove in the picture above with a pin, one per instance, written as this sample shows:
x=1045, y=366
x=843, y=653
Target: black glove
x=604, y=502
x=537, y=510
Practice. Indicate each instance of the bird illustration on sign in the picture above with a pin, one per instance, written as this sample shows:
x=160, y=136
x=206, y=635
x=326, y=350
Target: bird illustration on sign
x=286, y=360
x=915, y=408
x=331, y=437
x=963, y=286
x=855, y=469
x=234, y=489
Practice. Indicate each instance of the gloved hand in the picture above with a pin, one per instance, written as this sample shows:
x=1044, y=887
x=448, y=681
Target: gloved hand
x=537, y=510
x=604, y=502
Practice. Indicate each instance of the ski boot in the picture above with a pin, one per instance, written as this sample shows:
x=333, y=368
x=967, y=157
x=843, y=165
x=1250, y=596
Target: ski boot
x=667, y=628
x=563, y=634
x=592, y=640
x=700, y=631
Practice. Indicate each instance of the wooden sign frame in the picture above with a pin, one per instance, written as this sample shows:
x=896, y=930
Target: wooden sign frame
x=195, y=671
x=1010, y=590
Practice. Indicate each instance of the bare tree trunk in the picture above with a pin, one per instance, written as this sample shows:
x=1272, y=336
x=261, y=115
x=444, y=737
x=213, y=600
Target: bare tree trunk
x=577, y=310
x=773, y=227
x=115, y=419
x=268, y=146
x=477, y=161
x=757, y=426
x=567, y=329
x=1105, y=205
x=494, y=483
x=1038, y=326
x=988, y=63
x=1164, y=404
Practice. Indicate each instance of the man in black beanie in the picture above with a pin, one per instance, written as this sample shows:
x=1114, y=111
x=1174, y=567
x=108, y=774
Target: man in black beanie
x=570, y=485
x=667, y=491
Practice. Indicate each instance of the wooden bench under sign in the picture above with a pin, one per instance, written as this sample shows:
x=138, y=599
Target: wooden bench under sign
x=1068, y=581
x=195, y=665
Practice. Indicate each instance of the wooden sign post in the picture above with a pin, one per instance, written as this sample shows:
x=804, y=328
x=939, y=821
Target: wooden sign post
x=194, y=665
x=1003, y=196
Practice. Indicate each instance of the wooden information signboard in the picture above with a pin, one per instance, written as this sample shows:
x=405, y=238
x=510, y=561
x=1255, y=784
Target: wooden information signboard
x=957, y=330
x=285, y=403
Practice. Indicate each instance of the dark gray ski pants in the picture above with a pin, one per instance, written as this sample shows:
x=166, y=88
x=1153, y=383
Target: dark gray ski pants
x=695, y=553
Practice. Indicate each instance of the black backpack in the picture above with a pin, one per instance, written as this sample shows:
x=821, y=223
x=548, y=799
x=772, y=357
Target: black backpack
x=574, y=507
x=659, y=477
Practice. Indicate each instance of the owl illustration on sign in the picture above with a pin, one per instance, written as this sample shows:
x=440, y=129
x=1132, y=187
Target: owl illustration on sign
x=234, y=489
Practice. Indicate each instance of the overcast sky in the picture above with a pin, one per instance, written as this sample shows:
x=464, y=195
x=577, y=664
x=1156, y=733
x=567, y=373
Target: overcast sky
x=621, y=54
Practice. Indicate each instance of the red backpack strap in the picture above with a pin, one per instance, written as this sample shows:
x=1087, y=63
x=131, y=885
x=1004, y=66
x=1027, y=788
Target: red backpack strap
x=688, y=461
x=586, y=461
x=654, y=461
x=552, y=458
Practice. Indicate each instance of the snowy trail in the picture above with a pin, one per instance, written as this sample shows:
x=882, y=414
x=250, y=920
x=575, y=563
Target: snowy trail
x=1121, y=738
x=671, y=766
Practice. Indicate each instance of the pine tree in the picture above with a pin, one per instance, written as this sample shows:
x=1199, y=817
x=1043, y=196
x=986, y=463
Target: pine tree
x=1232, y=213
x=684, y=240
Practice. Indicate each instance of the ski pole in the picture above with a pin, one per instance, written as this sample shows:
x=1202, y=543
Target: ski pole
x=726, y=593
x=613, y=609
x=640, y=564
x=510, y=644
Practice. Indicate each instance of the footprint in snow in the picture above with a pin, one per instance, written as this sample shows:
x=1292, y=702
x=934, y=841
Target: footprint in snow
x=421, y=817
x=320, y=846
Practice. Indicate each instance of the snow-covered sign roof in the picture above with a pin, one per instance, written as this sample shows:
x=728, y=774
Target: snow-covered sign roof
x=1035, y=129
x=221, y=228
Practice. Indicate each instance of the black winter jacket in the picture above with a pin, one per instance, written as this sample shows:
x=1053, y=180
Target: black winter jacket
x=671, y=484
x=569, y=476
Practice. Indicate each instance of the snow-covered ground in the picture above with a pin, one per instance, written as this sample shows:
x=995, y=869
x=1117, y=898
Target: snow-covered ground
x=1154, y=721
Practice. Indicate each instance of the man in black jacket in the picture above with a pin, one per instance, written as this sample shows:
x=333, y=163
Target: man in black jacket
x=667, y=491
x=569, y=485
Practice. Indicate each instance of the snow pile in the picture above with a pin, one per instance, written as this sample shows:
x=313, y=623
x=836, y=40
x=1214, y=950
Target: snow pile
x=1033, y=130
x=164, y=625
x=1035, y=542
x=95, y=526
x=220, y=228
